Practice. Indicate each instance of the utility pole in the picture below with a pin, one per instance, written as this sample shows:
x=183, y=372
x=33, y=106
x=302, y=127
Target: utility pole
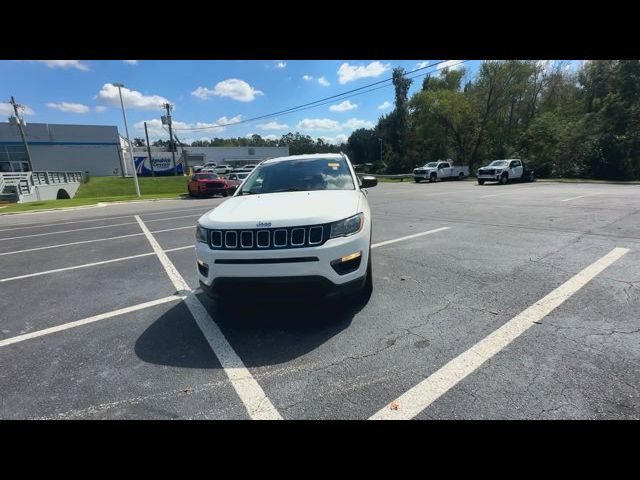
x=167, y=106
x=146, y=134
x=20, y=126
x=126, y=128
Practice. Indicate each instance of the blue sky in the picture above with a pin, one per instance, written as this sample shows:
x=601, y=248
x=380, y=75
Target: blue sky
x=205, y=93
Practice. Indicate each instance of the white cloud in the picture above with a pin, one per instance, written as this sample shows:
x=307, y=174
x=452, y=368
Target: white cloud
x=233, y=88
x=156, y=129
x=131, y=62
x=355, y=123
x=307, y=77
x=271, y=137
x=100, y=108
x=273, y=126
x=131, y=98
x=281, y=64
x=68, y=107
x=385, y=105
x=450, y=64
x=328, y=125
x=318, y=124
x=323, y=81
x=337, y=140
x=65, y=64
x=349, y=73
x=343, y=107
x=7, y=109
x=422, y=64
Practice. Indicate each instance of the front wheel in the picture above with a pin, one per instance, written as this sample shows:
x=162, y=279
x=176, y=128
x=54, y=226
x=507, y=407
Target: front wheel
x=504, y=179
x=461, y=176
x=432, y=178
x=480, y=182
x=417, y=180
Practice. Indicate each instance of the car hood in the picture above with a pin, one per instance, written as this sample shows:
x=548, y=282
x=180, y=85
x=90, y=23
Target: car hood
x=283, y=209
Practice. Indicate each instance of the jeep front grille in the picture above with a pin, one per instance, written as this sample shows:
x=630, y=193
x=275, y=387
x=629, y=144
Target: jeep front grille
x=270, y=238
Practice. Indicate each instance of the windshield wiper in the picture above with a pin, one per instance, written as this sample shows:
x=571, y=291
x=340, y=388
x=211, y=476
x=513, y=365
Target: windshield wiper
x=248, y=192
x=292, y=189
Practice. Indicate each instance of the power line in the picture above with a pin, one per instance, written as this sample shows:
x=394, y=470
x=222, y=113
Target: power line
x=322, y=101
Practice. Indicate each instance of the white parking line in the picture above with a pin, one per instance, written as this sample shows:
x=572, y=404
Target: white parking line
x=247, y=388
x=75, y=267
x=69, y=244
x=180, y=248
x=85, y=321
x=408, y=237
x=101, y=226
x=581, y=196
x=437, y=384
x=67, y=231
x=103, y=219
x=505, y=193
x=91, y=241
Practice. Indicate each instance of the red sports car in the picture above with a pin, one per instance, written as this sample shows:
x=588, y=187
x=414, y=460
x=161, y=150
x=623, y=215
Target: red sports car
x=202, y=184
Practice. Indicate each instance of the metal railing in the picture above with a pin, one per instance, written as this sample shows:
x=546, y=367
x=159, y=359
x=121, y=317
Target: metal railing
x=24, y=181
x=52, y=178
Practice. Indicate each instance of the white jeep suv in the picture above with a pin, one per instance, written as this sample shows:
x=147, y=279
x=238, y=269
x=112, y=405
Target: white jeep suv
x=298, y=227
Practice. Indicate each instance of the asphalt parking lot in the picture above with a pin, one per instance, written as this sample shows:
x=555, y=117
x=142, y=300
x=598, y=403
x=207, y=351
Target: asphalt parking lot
x=490, y=302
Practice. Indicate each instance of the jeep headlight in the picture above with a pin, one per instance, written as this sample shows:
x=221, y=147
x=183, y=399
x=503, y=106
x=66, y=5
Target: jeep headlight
x=499, y=170
x=348, y=226
x=201, y=234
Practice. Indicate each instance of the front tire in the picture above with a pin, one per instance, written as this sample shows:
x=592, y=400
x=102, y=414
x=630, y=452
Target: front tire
x=480, y=182
x=433, y=178
x=417, y=180
x=461, y=176
x=504, y=179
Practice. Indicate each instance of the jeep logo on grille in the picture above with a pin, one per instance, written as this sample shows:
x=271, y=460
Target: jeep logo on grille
x=263, y=224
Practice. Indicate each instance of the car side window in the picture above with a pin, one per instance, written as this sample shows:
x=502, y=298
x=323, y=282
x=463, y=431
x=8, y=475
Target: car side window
x=444, y=165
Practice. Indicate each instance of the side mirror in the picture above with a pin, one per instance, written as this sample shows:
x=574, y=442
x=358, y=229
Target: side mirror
x=368, y=181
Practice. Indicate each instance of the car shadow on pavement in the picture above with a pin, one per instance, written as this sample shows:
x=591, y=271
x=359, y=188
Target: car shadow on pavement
x=261, y=334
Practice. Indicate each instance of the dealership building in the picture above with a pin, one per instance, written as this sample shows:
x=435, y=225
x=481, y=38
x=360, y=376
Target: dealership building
x=98, y=151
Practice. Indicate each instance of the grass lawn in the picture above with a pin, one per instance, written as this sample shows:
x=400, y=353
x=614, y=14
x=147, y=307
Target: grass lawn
x=110, y=189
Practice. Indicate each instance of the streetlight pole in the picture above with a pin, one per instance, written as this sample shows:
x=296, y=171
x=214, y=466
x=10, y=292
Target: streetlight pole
x=126, y=128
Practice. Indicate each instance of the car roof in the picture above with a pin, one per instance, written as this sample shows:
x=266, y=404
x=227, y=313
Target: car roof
x=304, y=157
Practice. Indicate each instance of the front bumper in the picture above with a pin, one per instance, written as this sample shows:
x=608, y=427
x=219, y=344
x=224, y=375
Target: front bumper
x=298, y=272
x=489, y=178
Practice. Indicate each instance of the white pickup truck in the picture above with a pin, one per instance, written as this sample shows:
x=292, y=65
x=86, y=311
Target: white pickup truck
x=434, y=171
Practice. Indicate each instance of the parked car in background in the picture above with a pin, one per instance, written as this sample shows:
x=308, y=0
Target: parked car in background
x=209, y=166
x=204, y=184
x=440, y=170
x=223, y=169
x=233, y=180
x=505, y=171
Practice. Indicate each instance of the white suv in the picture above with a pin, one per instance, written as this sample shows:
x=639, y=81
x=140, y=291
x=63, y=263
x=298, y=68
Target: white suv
x=298, y=227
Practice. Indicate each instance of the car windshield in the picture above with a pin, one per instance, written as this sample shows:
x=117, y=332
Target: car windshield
x=303, y=174
x=431, y=165
x=208, y=176
x=499, y=163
